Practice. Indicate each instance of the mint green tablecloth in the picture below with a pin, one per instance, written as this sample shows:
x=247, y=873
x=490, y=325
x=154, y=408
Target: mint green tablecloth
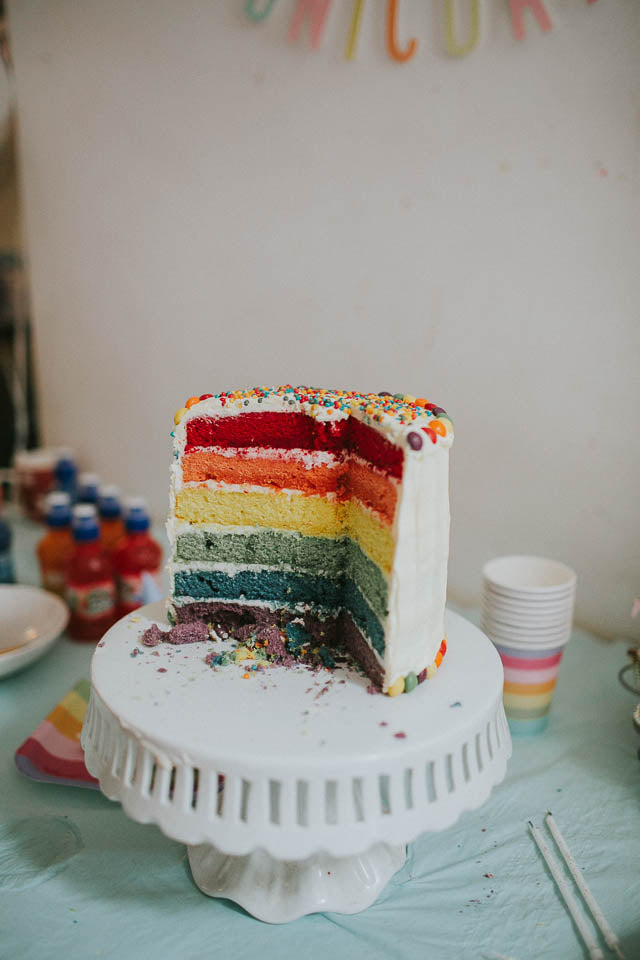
x=79, y=880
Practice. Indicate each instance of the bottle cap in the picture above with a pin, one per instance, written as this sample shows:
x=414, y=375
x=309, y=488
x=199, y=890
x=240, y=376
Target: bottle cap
x=137, y=516
x=66, y=454
x=109, y=504
x=85, y=523
x=57, y=498
x=89, y=479
x=88, y=487
x=58, y=509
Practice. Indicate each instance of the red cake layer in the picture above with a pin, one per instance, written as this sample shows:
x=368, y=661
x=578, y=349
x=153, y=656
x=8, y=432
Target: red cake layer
x=373, y=447
x=288, y=431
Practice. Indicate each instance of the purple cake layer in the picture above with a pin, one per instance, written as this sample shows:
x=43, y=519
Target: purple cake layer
x=359, y=649
x=238, y=620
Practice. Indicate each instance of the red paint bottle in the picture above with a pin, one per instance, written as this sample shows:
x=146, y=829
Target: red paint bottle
x=110, y=511
x=90, y=589
x=56, y=548
x=137, y=560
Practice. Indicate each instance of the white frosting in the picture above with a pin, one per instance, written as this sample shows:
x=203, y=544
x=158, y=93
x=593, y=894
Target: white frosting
x=415, y=626
x=310, y=458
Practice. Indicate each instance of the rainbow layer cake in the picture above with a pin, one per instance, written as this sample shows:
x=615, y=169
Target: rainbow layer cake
x=321, y=512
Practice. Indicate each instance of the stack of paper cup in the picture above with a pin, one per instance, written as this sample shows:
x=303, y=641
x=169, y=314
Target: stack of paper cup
x=527, y=612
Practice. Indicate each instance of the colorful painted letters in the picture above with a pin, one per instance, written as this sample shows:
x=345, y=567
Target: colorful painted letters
x=316, y=12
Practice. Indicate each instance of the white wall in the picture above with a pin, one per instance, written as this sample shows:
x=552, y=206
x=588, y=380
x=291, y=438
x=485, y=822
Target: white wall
x=209, y=206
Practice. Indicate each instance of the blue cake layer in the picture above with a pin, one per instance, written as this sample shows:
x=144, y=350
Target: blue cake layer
x=285, y=589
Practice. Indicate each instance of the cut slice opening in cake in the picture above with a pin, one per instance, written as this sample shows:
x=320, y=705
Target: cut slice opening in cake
x=328, y=509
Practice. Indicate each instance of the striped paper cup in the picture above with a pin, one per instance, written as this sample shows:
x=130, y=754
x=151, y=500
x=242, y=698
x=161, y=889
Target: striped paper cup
x=527, y=611
x=530, y=675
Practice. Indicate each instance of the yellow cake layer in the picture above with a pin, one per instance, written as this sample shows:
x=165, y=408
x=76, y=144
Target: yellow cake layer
x=311, y=516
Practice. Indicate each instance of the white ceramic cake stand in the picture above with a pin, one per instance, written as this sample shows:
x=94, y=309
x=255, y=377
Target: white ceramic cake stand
x=296, y=792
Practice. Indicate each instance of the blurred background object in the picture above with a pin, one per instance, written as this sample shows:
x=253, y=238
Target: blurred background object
x=18, y=421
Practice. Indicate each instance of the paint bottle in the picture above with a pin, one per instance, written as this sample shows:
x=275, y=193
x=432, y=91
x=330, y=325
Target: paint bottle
x=6, y=561
x=35, y=478
x=91, y=590
x=137, y=560
x=110, y=512
x=66, y=473
x=88, y=484
x=56, y=547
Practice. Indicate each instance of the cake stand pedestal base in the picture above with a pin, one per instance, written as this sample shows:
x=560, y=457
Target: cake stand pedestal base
x=278, y=891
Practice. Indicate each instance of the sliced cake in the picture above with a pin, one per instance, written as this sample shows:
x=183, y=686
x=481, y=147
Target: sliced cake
x=319, y=511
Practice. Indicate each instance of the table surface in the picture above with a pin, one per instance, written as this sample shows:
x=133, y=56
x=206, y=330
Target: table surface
x=78, y=879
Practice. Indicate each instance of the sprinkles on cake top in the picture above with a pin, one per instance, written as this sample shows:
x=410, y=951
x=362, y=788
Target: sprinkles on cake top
x=326, y=509
x=383, y=408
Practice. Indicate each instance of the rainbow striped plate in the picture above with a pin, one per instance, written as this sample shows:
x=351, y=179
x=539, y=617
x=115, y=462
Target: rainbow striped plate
x=52, y=754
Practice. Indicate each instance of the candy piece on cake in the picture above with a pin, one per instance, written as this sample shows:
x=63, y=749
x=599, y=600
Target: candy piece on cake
x=328, y=508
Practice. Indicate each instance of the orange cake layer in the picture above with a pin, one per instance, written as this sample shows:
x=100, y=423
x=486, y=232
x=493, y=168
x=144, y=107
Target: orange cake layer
x=284, y=474
x=377, y=491
x=353, y=479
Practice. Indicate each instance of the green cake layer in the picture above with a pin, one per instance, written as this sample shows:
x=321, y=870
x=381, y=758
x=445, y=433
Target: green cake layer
x=270, y=548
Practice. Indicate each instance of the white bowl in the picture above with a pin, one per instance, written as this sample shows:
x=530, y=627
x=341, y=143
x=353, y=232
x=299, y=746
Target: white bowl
x=529, y=576
x=31, y=620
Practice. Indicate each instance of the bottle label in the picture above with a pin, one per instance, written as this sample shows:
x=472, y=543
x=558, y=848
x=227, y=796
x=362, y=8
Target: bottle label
x=136, y=589
x=92, y=600
x=54, y=580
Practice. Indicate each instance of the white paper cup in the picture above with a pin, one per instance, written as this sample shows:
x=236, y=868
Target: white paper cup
x=532, y=627
x=525, y=629
x=521, y=637
x=541, y=602
x=524, y=613
x=541, y=617
x=530, y=577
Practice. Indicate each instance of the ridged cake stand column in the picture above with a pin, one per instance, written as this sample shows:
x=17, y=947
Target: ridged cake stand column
x=295, y=792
